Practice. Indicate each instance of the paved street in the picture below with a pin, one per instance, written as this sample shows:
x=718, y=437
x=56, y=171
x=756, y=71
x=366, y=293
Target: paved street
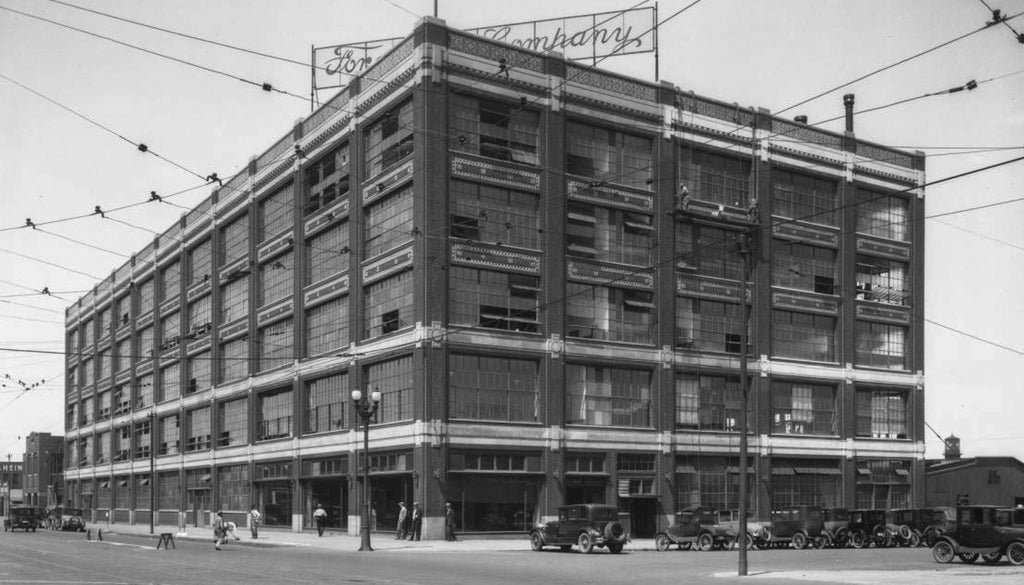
x=289, y=558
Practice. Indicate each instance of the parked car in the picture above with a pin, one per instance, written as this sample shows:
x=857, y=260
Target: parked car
x=909, y=525
x=23, y=517
x=985, y=531
x=800, y=526
x=834, y=531
x=695, y=527
x=942, y=520
x=71, y=520
x=869, y=527
x=584, y=525
x=757, y=533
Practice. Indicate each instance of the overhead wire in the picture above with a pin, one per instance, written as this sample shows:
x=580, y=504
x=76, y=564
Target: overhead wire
x=138, y=145
x=262, y=85
x=890, y=66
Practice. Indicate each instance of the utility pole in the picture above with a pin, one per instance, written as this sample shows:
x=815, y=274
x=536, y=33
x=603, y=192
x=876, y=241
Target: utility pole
x=743, y=247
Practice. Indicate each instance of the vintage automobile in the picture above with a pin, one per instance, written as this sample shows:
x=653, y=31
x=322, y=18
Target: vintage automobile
x=695, y=527
x=71, y=520
x=942, y=519
x=985, y=531
x=585, y=525
x=834, y=531
x=800, y=526
x=757, y=534
x=23, y=517
x=867, y=527
x=909, y=524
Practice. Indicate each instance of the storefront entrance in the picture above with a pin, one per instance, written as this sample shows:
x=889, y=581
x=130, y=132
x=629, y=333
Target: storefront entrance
x=275, y=499
x=643, y=515
x=333, y=495
x=386, y=491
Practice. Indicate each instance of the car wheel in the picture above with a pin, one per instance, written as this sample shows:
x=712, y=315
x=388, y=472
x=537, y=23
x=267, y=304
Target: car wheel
x=915, y=539
x=943, y=552
x=799, y=541
x=536, y=541
x=1015, y=552
x=823, y=541
x=615, y=548
x=705, y=542
x=858, y=540
x=585, y=543
x=992, y=558
x=662, y=542
x=969, y=558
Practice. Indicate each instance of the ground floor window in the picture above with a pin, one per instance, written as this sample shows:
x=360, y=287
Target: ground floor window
x=494, y=503
x=710, y=481
x=883, y=483
x=797, y=482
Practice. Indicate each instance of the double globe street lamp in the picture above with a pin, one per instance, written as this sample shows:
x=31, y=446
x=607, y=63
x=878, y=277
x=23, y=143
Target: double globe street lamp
x=366, y=407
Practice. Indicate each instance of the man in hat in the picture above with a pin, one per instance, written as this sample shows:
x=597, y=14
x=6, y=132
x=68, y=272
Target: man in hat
x=417, y=521
x=449, y=521
x=320, y=517
x=403, y=517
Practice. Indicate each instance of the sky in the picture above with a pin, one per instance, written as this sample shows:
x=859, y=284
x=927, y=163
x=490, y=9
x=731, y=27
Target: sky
x=764, y=54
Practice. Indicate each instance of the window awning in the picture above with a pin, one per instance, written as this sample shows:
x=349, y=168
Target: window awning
x=901, y=472
x=638, y=304
x=122, y=483
x=863, y=471
x=205, y=478
x=686, y=469
x=816, y=470
x=736, y=469
x=144, y=481
x=783, y=470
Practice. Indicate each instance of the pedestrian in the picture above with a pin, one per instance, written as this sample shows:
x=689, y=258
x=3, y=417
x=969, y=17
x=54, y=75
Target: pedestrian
x=320, y=517
x=229, y=530
x=218, y=530
x=254, y=520
x=417, y=521
x=403, y=517
x=449, y=521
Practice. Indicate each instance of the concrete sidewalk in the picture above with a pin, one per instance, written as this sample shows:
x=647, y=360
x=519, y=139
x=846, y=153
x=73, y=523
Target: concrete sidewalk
x=335, y=540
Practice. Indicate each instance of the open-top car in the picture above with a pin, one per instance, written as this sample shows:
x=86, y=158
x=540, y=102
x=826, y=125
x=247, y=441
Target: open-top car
x=584, y=525
x=697, y=527
x=23, y=517
x=985, y=531
x=71, y=520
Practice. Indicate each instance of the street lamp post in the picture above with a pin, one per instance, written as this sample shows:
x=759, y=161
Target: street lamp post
x=366, y=407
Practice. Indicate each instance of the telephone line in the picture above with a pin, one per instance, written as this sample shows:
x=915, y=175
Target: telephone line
x=262, y=85
x=890, y=66
x=138, y=145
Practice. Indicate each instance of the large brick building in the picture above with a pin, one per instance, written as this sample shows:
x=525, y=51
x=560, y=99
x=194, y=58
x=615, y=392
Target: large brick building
x=535, y=262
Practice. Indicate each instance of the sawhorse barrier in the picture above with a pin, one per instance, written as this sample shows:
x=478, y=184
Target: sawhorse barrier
x=166, y=540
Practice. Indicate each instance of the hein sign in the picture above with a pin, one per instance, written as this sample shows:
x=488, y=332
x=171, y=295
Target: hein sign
x=589, y=36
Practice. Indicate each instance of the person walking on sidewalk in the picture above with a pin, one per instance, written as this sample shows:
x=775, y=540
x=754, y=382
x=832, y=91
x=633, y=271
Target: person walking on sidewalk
x=417, y=521
x=403, y=517
x=254, y=520
x=320, y=517
x=219, y=531
x=449, y=521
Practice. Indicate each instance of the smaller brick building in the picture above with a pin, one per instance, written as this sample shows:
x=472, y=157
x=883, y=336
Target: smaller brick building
x=43, y=470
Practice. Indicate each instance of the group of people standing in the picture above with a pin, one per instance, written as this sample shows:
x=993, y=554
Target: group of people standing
x=410, y=524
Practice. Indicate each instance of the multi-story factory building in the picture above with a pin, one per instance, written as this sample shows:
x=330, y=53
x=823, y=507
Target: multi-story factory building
x=535, y=263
